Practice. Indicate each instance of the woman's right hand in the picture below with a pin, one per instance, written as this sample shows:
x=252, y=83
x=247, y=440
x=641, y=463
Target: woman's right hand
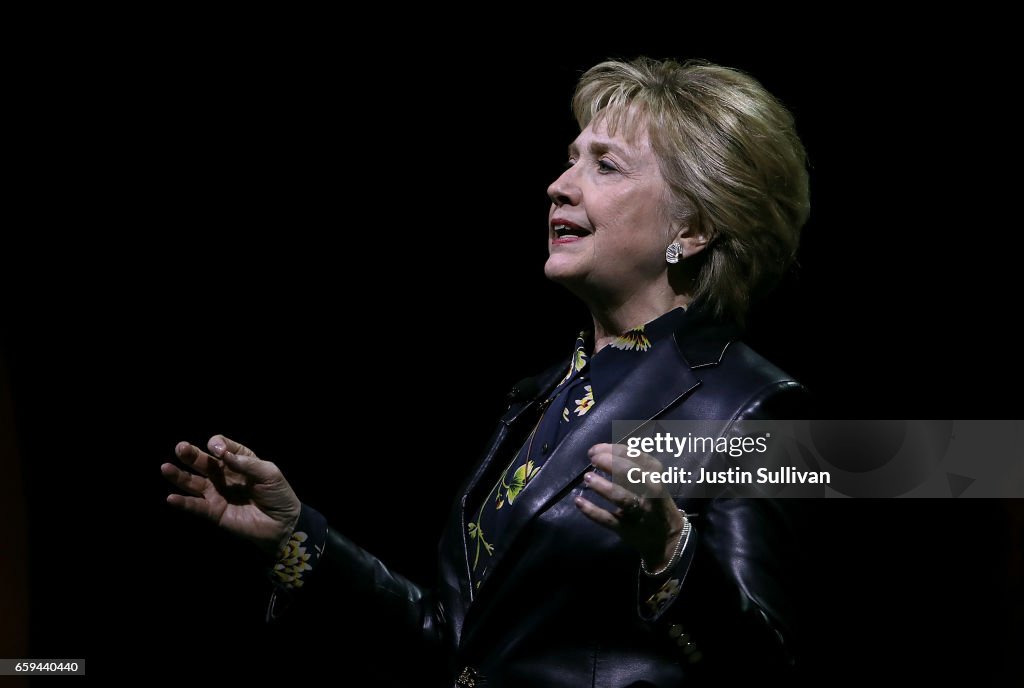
x=235, y=489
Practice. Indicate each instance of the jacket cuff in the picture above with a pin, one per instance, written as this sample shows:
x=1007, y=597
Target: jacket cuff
x=658, y=603
x=297, y=561
x=655, y=594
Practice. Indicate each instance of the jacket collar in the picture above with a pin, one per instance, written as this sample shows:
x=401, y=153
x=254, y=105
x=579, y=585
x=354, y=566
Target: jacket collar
x=702, y=339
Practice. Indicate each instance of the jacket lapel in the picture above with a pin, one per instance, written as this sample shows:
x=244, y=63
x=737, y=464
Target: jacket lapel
x=542, y=385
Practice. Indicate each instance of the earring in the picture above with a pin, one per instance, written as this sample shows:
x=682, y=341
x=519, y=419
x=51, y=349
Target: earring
x=673, y=253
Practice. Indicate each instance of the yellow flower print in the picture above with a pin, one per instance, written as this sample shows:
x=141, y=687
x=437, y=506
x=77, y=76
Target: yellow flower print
x=586, y=403
x=579, y=359
x=665, y=594
x=292, y=561
x=565, y=414
x=520, y=478
x=632, y=339
x=292, y=547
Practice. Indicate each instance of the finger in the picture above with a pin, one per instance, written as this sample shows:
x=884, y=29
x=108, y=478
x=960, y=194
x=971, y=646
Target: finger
x=638, y=480
x=606, y=459
x=620, y=468
x=609, y=490
x=614, y=449
x=219, y=444
x=597, y=514
x=189, y=482
x=263, y=471
x=193, y=456
x=193, y=505
x=644, y=461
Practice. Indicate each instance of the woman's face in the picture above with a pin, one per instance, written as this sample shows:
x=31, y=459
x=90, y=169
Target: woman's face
x=609, y=226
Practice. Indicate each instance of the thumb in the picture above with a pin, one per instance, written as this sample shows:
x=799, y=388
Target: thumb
x=220, y=443
x=251, y=466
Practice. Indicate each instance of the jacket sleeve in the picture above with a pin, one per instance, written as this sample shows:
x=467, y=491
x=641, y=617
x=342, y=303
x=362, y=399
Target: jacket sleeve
x=322, y=571
x=728, y=606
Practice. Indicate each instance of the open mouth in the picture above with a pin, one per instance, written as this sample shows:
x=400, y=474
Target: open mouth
x=567, y=232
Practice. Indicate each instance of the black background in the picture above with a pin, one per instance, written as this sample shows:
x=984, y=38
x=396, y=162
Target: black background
x=335, y=256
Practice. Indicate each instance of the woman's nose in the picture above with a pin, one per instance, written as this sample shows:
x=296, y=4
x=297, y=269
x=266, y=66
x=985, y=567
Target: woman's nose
x=564, y=191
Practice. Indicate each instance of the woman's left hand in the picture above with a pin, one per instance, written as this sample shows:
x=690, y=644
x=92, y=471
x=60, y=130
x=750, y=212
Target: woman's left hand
x=649, y=521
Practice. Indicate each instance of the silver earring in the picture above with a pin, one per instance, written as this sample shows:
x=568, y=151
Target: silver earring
x=673, y=253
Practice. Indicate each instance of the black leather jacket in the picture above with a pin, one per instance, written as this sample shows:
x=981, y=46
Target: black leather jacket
x=561, y=606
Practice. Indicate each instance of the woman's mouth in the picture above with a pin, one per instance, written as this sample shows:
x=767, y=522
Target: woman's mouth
x=567, y=232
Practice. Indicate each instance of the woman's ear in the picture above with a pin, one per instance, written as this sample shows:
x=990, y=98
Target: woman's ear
x=692, y=240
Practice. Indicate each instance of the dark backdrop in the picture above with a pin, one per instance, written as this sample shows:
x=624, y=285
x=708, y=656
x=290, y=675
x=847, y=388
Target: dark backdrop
x=336, y=258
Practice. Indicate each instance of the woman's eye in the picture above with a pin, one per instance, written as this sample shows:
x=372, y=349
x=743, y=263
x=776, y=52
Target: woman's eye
x=604, y=166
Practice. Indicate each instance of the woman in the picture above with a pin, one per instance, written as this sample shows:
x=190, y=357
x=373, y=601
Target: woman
x=682, y=202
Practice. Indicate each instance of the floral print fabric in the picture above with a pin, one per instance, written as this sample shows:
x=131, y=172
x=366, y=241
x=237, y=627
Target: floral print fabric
x=297, y=560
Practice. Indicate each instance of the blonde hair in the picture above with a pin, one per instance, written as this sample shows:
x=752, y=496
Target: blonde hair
x=730, y=154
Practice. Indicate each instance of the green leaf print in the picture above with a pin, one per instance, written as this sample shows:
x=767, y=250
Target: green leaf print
x=520, y=478
x=475, y=533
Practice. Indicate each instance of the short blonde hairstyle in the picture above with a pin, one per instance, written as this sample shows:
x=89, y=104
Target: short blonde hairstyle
x=732, y=159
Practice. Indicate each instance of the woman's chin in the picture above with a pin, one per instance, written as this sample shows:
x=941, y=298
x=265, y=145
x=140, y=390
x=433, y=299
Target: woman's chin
x=558, y=269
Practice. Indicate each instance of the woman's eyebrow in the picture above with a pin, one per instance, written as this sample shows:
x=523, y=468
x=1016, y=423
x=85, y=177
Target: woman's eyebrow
x=598, y=146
